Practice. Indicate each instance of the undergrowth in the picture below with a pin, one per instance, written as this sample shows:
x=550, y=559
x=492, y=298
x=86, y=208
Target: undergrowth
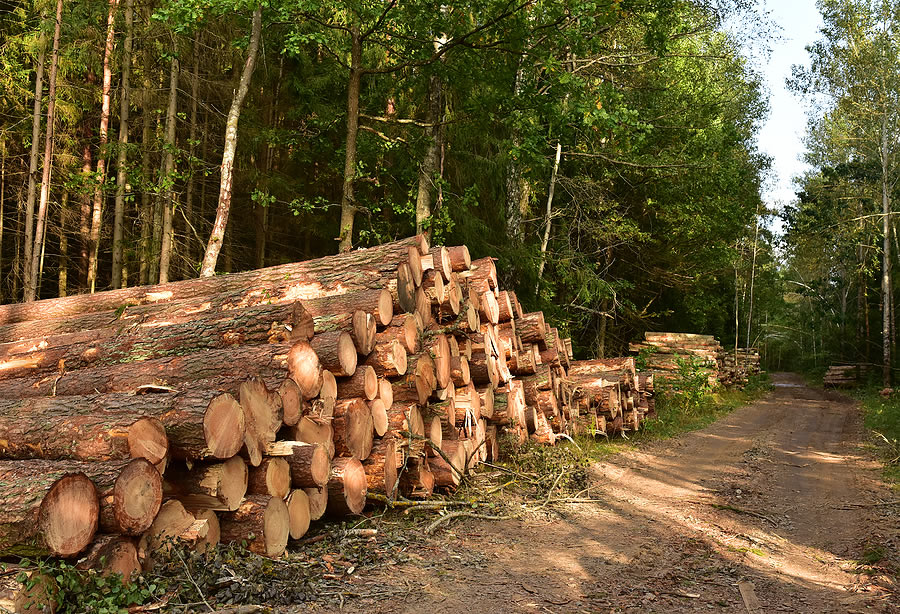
x=882, y=418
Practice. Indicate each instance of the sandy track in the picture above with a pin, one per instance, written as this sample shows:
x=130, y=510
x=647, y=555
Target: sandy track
x=791, y=462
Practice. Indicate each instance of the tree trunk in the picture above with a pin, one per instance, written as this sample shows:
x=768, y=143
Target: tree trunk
x=548, y=216
x=122, y=159
x=886, y=258
x=2, y=206
x=168, y=176
x=208, y=268
x=97, y=210
x=48, y=162
x=145, y=214
x=46, y=509
x=348, y=202
x=33, y=163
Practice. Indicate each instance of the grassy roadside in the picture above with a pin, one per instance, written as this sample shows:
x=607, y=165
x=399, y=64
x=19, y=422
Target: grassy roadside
x=882, y=419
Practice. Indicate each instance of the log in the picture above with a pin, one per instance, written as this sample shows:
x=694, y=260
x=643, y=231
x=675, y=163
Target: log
x=388, y=359
x=353, y=428
x=262, y=521
x=417, y=481
x=459, y=371
x=173, y=524
x=336, y=352
x=460, y=260
x=483, y=369
x=490, y=309
x=112, y=554
x=406, y=289
x=379, y=416
x=262, y=417
x=130, y=493
x=439, y=349
x=363, y=383
x=298, y=513
x=378, y=303
x=385, y=392
x=532, y=328
x=198, y=423
x=358, y=269
x=438, y=259
x=215, y=486
x=292, y=406
x=487, y=402
x=404, y=328
x=213, y=530
x=506, y=311
x=327, y=395
x=305, y=368
x=448, y=475
x=405, y=417
x=381, y=468
x=314, y=430
x=318, y=501
x=112, y=345
x=60, y=430
x=359, y=324
x=45, y=509
x=271, y=477
x=419, y=382
x=346, y=487
x=268, y=361
x=482, y=275
x=309, y=464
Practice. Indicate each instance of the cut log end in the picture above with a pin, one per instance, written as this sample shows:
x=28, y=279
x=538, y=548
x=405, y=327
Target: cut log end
x=299, y=513
x=305, y=369
x=385, y=310
x=137, y=496
x=347, y=487
x=291, y=402
x=147, y=439
x=224, y=426
x=69, y=515
x=277, y=526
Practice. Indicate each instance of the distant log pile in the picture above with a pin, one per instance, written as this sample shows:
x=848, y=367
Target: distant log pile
x=664, y=353
x=738, y=366
x=242, y=407
x=845, y=376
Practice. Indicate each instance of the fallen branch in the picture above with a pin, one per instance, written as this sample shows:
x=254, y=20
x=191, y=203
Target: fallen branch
x=740, y=510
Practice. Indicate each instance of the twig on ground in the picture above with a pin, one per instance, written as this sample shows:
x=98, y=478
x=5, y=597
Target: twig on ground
x=191, y=578
x=452, y=515
x=852, y=506
x=740, y=510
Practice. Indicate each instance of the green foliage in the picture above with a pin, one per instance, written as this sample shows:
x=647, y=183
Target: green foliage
x=641, y=361
x=77, y=591
x=882, y=417
x=689, y=388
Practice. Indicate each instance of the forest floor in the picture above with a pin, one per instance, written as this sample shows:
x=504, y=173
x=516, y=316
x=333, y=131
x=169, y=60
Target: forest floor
x=782, y=500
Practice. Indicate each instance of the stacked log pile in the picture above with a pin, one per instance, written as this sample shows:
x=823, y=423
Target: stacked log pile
x=845, y=376
x=663, y=351
x=243, y=407
x=609, y=395
x=737, y=367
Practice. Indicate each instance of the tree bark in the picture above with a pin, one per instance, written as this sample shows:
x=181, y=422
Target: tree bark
x=885, y=258
x=429, y=166
x=122, y=158
x=208, y=268
x=48, y=163
x=190, y=253
x=97, y=210
x=145, y=213
x=168, y=176
x=199, y=423
x=348, y=201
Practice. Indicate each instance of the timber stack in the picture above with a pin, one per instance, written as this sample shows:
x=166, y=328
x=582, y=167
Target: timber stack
x=664, y=354
x=609, y=396
x=737, y=366
x=845, y=376
x=242, y=407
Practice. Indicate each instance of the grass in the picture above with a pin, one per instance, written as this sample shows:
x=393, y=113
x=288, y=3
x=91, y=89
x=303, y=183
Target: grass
x=882, y=418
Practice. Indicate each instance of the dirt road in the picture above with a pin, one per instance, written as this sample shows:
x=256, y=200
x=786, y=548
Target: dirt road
x=790, y=467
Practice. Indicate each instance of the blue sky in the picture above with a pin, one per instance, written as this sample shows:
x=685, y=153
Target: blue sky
x=782, y=134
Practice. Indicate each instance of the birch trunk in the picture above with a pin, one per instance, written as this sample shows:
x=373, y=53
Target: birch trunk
x=885, y=258
x=548, y=216
x=429, y=167
x=122, y=160
x=208, y=268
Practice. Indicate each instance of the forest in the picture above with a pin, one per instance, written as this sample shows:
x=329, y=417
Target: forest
x=604, y=150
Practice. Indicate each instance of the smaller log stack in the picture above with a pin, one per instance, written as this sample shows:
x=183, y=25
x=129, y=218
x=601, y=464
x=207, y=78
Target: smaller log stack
x=661, y=352
x=845, y=376
x=243, y=407
x=737, y=367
